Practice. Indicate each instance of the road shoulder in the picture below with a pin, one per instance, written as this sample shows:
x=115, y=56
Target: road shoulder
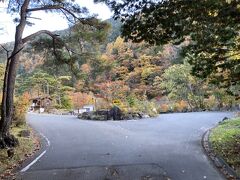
x=217, y=161
x=40, y=150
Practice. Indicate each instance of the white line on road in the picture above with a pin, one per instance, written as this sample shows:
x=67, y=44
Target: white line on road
x=48, y=142
x=35, y=160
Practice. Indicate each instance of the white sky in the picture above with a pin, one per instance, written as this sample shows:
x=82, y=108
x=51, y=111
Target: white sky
x=49, y=21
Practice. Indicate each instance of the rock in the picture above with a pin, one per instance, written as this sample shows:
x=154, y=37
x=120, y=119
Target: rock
x=24, y=133
x=115, y=113
x=102, y=114
x=8, y=141
x=131, y=115
x=225, y=118
x=95, y=115
x=10, y=152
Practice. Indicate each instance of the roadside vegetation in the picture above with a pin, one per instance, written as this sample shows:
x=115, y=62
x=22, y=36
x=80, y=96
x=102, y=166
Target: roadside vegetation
x=225, y=140
x=27, y=141
x=27, y=146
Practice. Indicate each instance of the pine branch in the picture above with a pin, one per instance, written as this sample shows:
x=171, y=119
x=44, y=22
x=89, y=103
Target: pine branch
x=32, y=36
x=53, y=7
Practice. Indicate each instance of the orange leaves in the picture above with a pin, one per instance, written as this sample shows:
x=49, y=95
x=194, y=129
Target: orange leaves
x=181, y=106
x=21, y=107
x=80, y=99
x=23, y=101
x=164, y=108
x=113, y=89
x=86, y=68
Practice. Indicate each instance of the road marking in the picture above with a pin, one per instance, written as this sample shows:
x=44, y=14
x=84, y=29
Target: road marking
x=48, y=142
x=35, y=160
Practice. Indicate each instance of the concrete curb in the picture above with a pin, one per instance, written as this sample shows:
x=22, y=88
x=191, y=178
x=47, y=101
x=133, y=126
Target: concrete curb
x=218, y=161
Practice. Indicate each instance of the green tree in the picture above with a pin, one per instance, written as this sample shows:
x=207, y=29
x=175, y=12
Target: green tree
x=180, y=85
x=83, y=51
x=43, y=84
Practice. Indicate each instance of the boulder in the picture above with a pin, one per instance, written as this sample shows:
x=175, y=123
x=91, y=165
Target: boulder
x=94, y=115
x=115, y=113
x=225, y=118
x=8, y=141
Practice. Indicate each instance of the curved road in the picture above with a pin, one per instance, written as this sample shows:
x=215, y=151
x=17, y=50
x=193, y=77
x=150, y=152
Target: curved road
x=166, y=147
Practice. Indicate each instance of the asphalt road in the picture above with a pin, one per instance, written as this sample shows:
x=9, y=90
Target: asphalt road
x=166, y=147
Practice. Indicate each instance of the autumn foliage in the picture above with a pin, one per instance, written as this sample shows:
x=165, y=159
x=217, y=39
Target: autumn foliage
x=20, y=109
x=80, y=99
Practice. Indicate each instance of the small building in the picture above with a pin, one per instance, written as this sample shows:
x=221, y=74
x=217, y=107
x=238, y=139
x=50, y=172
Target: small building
x=88, y=108
x=40, y=103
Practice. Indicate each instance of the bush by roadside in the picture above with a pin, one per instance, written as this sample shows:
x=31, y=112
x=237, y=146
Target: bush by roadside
x=225, y=140
x=21, y=105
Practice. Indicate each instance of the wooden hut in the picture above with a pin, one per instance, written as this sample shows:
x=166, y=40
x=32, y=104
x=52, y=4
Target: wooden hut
x=41, y=103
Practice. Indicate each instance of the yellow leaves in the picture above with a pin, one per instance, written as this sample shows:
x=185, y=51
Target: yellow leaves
x=109, y=48
x=119, y=43
x=229, y=1
x=146, y=72
x=106, y=59
x=213, y=13
x=238, y=6
x=120, y=73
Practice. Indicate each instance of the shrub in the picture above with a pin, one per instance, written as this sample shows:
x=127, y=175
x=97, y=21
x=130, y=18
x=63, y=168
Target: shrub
x=20, y=109
x=164, y=108
x=181, y=106
x=131, y=100
x=174, y=107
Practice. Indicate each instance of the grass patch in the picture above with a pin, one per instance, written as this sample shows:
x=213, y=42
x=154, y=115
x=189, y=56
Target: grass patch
x=225, y=139
x=25, y=149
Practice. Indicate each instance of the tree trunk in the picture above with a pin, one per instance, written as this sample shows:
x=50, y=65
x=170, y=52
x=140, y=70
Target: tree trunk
x=6, y=139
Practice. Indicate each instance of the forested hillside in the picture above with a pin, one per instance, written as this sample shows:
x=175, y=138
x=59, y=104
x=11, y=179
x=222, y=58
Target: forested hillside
x=99, y=67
